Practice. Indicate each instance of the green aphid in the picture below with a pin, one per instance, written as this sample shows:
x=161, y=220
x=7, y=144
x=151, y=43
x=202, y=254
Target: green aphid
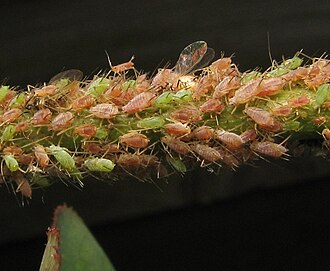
x=249, y=76
x=177, y=164
x=98, y=86
x=3, y=92
x=164, y=100
x=17, y=101
x=128, y=84
x=99, y=164
x=292, y=63
x=151, y=123
x=291, y=125
x=101, y=133
x=322, y=94
x=41, y=181
x=182, y=96
x=63, y=157
x=11, y=162
x=8, y=133
x=278, y=72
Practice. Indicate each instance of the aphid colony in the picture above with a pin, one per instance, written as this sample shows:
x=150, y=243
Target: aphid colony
x=193, y=115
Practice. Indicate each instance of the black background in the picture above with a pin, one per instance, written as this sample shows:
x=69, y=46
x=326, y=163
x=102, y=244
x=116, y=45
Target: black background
x=275, y=216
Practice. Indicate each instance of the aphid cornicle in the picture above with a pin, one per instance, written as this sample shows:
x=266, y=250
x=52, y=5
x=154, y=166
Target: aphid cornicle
x=176, y=145
x=42, y=116
x=207, y=153
x=61, y=121
x=134, y=140
x=268, y=148
x=104, y=111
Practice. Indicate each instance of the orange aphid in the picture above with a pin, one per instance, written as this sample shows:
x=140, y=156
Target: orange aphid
x=299, y=101
x=12, y=150
x=139, y=102
x=134, y=140
x=41, y=155
x=248, y=135
x=21, y=126
x=11, y=115
x=268, y=148
x=42, y=116
x=247, y=92
x=85, y=130
x=45, y=91
x=83, y=102
x=177, y=129
x=186, y=114
x=207, y=153
x=92, y=147
x=203, y=86
x=296, y=75
x=203, y=133
x=61, y=121
x=129, y=65
x=104, y=111
x=111, y=148
x=227, y=85
x=271, y=86
x=282, y=111
x=212, y=105
x=318, y=121
x=163, y=78
x=231, y=140
x=137, y=160
x=221, y=64
x=263, y=118
x=176, y=145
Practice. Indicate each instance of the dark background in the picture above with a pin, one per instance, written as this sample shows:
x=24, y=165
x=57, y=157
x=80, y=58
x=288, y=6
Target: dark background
x=272, y=216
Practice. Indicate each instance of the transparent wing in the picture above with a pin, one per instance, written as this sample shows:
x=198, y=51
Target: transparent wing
x=209, y=55
x=190, y=57
x=71, y=75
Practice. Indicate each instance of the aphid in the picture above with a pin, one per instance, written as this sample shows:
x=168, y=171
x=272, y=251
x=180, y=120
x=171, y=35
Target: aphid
x=176, y=145
x=203, y=86
x=182, y=96
x=231, y=140
x=134, y=140
x=99, y=165
x=163, y=100
x=221, y=64
x=139, y=102
x=18, y=100
x=316, y=81
x=163, y=78
x=207, y=153
x=104, y=111
x=226, y=85
x=42, y=116
x=14, y=150
x=318, y=121
x=203, y=133
x=98, y=86
x=25, y=159
x=229, y=158
x=177, y=129
x=41, y=155
x=271, y=86
x=61, y=121
x=186, y=114
x=85, y=130
x=11, y=115
x=45, y=91
x=92, y=147
x=281, y=111
x=129, y=65
x=322, y=94
x=268, y=148
x=299, y=101
x=296, y=75
x=8, y=98
x=248, y=135
x=136, y=160
x=21, y=126
x=23, y=185
x=111, y=148
x=4, y=90
x=11, y=162
x=70, y=75
x=83, y=102
x=8, y=133
x=263, y=118
x=247, y=92
x=177, y=164
x=326, y=134
x=212, y=105
x=151, y=123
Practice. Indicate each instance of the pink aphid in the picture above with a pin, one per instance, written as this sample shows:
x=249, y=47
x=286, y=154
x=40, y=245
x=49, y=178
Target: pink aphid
x=282, y=111
x=83, y=102
x=203, y=133
x=203, y=86
x=268, y=148
x=299, y=101
x=41, y=155
x=139, y=102
x=163, y=78
x=247, y=92
x=61, y=121
x=134, y=140
x=186, y=114
x=21, y=126
x=11, y=115
x=129, y=65
x=296, y=75
x=271, y=86
x=227, y=85
x=42, y=116
x=263, y=118
x=231, y=140
x=177, y=129
x=212, y=105
x=104, y=111
x=176, y=145
x=221, y=64
x=45, y=91
x=248, y=135
x=207, y=153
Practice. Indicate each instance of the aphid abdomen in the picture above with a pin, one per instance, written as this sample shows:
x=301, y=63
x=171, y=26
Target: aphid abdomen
x=271, y=86
x=212, y=105
x=268, y=148
x=203, y=133
x=104, y=111
x=61, y=121
x=177, y=129
x=176, y=145
x=186, y=115
x=139, y=102
x=231, y=140
x=83, y=102
x=227, y=85
x=86, y=130
x=263, y=118
x=247, y=92
x=207, y=153
x=248, y=135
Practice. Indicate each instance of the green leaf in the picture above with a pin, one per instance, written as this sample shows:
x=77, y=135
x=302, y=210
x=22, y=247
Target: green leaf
x=78, y=249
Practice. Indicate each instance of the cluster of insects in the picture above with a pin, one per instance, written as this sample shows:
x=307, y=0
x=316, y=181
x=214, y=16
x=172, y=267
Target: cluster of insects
x=200, y=113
